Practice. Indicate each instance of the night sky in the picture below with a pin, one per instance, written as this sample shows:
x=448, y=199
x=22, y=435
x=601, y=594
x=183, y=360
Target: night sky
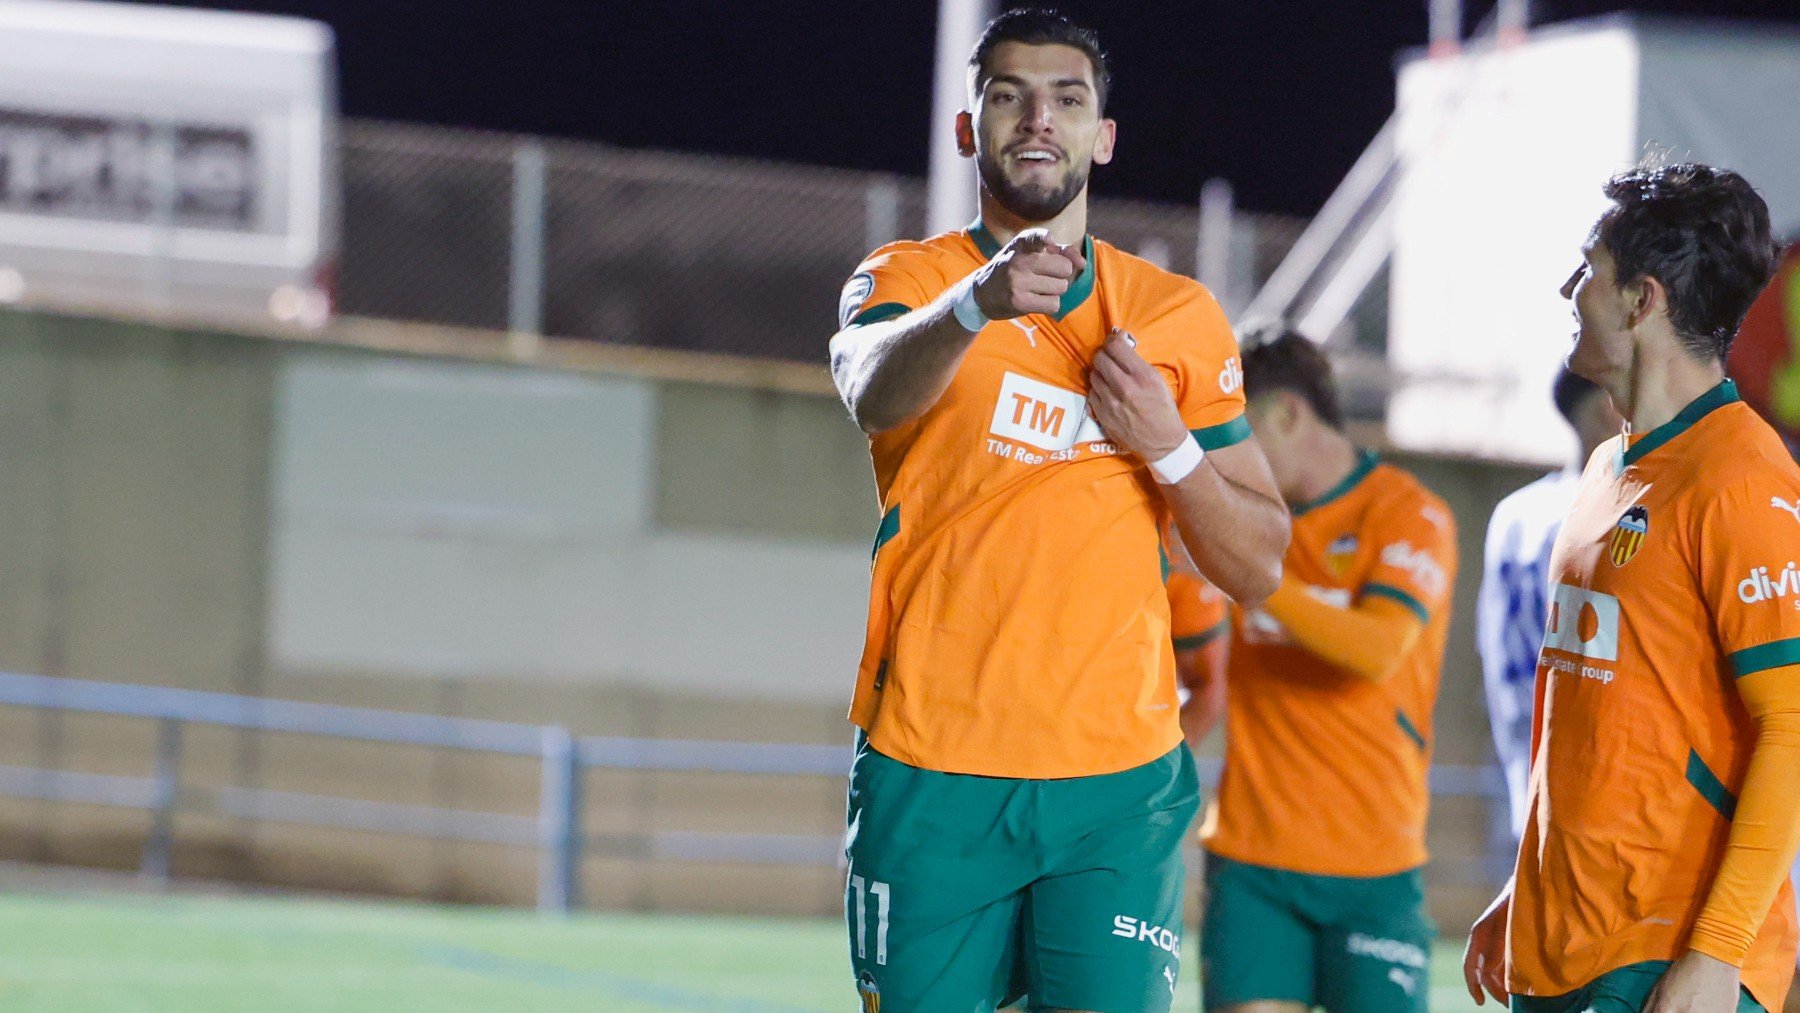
x=1279, y=96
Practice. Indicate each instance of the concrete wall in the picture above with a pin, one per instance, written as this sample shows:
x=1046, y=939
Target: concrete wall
x=623, y=554
x=449, y=519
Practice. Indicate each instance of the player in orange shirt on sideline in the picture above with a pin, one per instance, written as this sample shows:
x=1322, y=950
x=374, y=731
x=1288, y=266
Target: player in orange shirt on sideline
x=1661, y=816
x=1039, y=405
x=1314, y=892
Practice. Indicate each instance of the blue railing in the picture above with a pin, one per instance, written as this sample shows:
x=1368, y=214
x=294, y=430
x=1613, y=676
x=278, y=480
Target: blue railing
x=556, y=830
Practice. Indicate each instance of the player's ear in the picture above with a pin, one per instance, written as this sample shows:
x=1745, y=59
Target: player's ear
x=1104, y=141
x=1645, y=296
x=1290, y=408
x=965, y=134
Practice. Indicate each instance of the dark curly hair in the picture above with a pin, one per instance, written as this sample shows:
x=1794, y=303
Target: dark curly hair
x=1287, y=360
x=1702, y=232
x=1041, y=27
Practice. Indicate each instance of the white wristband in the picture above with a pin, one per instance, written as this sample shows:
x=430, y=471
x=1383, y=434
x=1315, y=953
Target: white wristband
x=1179, y=463
x=967, y=312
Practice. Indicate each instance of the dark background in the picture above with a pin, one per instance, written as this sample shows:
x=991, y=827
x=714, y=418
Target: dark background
x=1279, y=96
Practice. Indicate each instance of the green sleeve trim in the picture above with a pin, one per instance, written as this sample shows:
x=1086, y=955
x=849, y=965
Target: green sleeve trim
x=890, y=526
x=1710, y=787
x=1765, y=656
x=876, y=314
x=1224, y=434
x=1411, y=730
x=1386, y=591
x=1203, y=638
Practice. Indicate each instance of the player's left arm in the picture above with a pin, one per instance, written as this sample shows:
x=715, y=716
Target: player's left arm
x=1408, y=585
x=1229, y=512
x=1740, y=530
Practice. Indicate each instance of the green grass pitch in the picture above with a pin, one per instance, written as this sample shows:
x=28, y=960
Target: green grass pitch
x=119, y=953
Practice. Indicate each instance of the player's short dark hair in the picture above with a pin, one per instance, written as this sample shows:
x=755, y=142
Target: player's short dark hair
x=1040, y=26
x=1702, y=232
x=1569, y=391
x=1291, y=361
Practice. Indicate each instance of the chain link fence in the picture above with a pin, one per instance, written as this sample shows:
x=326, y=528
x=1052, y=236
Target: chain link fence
x=657, y=249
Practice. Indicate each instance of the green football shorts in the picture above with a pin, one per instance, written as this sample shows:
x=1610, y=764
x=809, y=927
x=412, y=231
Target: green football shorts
x=1349, y=944
x=968, y=893
x=1622, y=990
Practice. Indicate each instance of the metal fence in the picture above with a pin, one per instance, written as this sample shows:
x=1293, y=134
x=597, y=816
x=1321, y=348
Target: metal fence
x=657, y=249
x=556, y=832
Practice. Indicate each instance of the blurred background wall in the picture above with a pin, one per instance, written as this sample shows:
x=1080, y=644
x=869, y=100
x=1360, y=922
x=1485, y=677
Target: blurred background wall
x=628, y=554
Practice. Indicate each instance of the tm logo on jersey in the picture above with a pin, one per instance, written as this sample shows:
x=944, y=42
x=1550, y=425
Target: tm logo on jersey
x=1760, y=587
x=1035, y=413
x=1583, y=623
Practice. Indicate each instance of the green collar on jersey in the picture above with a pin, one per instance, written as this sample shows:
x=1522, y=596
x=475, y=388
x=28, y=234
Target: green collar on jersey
x=1079, y=289
x=1366, y=460
x=1718, y=397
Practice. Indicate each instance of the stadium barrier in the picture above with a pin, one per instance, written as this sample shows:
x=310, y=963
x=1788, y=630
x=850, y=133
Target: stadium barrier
x=555, y=832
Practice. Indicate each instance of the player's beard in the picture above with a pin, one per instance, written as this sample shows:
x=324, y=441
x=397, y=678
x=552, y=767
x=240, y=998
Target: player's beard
x=1031, y=203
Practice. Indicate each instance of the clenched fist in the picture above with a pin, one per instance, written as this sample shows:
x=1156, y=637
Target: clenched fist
x=1029, y=275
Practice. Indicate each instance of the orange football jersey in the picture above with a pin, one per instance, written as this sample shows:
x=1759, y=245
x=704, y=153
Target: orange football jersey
x=1325, y=769
x=1672, y=579
x=1018, y=624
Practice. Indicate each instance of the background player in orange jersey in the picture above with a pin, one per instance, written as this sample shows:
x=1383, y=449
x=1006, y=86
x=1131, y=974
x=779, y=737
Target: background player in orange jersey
x=1040, y=406
x=1661, y=819
x=1201, y=630
x=1314, y=889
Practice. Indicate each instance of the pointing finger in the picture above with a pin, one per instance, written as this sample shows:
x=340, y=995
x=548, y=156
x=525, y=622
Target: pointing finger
x=1072, y=253
x=1048, y=263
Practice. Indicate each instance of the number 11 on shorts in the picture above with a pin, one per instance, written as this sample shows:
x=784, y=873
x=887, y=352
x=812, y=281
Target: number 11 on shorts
x=880, y=890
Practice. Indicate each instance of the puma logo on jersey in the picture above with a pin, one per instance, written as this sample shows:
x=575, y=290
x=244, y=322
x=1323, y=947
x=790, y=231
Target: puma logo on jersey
x=1583, y=622
x=1030, y=332
x=1046, y=417
x=1407, y=982
x=1780, y=504
x=1759, y=586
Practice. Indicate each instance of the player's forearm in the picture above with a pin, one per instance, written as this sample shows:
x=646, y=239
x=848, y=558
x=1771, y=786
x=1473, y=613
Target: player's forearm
x=1235, y=534
x=1765, y=833
x=1368, y=640
x=892, y=371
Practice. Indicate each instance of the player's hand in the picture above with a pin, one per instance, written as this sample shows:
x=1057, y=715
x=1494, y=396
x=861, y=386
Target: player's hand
x=1029, y=275
x=1132, y=402
x=1696, y=983
x=1484, y=960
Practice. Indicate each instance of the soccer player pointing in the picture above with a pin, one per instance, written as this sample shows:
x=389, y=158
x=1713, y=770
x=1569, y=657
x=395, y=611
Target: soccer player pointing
x=1661, y=815
x=1039, y=406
